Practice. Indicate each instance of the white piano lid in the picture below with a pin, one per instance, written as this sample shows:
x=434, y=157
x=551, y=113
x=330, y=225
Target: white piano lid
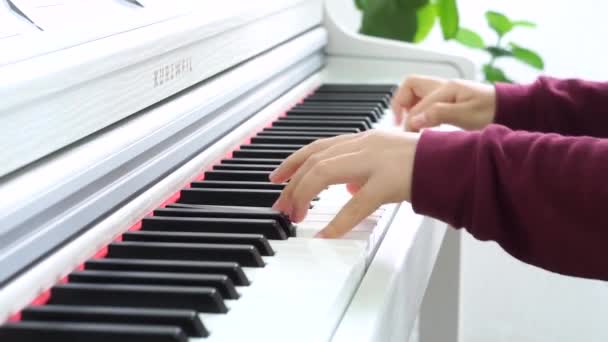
x=60, y=86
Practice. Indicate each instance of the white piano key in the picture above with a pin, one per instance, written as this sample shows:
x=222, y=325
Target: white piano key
x=325, y=268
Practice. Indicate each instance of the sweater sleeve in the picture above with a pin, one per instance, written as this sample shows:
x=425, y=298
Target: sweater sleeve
x=566, y=106
x=542, y=197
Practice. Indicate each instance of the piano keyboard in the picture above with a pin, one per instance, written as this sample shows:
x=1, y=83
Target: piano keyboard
x=205, y=266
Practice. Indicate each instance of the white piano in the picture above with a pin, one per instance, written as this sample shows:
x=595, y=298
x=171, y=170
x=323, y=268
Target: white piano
x=123, y=121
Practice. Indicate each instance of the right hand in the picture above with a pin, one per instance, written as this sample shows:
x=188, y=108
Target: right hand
x=377, y=164
x=433, y=101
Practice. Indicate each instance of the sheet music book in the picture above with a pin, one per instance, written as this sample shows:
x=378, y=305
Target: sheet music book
x=54, y=15
x=11, y=24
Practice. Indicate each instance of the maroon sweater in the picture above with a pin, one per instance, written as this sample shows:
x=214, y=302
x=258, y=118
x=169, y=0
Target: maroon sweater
x=543, y=197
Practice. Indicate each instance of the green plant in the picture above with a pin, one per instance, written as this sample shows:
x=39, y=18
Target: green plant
x=413, y=20
x=502, y=25
x=408, y=20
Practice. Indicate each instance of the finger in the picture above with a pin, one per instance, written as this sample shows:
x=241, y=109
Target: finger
x=410, y=92
x=442, y=94
x=404, y=97
x=441, y=113
x=290, y=165
x=341, y=169
x=352, y=188
x=285, y=203
x=360, y=206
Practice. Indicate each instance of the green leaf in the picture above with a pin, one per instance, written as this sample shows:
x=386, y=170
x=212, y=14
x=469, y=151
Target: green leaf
x=523, y=23
x=411, y=4
x=426, y=20
x=497, y=51
x=469, y=38
x=391, y=19
x=448, y=18
x=527, y=56
x=360, y=4
x=494, y=74
x=499, y=22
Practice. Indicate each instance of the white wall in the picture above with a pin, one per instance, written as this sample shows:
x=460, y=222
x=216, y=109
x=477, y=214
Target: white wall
x=571, y=35
x=502, y=298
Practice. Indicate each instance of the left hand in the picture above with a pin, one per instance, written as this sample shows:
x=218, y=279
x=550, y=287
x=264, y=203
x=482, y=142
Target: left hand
x=378, y=164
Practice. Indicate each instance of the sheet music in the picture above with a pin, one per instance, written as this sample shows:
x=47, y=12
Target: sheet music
x=33, y=27
x=11, y=24
x=53, y=15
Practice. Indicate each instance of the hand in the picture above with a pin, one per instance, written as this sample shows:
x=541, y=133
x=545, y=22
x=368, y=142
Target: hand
x=376, y=164
x=433, y=101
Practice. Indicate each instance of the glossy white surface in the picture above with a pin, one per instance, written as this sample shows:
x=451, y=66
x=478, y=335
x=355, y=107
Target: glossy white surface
x=82, y=86
x=310, y=280
x=366, y=287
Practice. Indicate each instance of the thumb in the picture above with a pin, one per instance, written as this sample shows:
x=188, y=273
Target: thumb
x=360, y=206
x=441, y=113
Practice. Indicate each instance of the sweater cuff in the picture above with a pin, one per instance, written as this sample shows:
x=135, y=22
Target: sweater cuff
x=443, y=176
x=514, y=105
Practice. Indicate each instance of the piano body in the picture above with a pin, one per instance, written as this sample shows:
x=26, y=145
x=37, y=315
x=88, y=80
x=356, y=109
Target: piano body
x=119, y=143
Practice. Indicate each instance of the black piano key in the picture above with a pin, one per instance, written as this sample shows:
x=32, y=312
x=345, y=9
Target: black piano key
x=237, y=197
x=257, y=240
x=339, y=108
x=382, y=99
x=202, y=299
x=230, y=212
x=377, y=111
x=270, y=228
x=319, y=107
x=88, y=332
x=264, y=154
x=245, y=255
x=276, y=162
x=376, y=107
x=333, y=112
x=237, y=175
x=313, y=129
x=360, y=102
x=350, y=104
x=237, y=184
x=320, y=123
x=314, y=135
x=271, y=147
x=218, y=281
x=281, y=139
x=347, y=96
x=245, y=167
x=188, y=320
x=373, y=116
x=230, y=269
x=357, y=88
x=350, y=118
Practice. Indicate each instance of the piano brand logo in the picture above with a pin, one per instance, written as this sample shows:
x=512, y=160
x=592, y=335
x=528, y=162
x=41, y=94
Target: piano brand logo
x=172, y=71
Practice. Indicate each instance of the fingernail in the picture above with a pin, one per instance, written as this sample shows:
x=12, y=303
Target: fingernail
x=272, y=174
x=320, y=235
x=419, y=120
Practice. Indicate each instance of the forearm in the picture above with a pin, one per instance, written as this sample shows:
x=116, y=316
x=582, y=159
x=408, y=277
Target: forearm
x=540, y=196
x=569, y=107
